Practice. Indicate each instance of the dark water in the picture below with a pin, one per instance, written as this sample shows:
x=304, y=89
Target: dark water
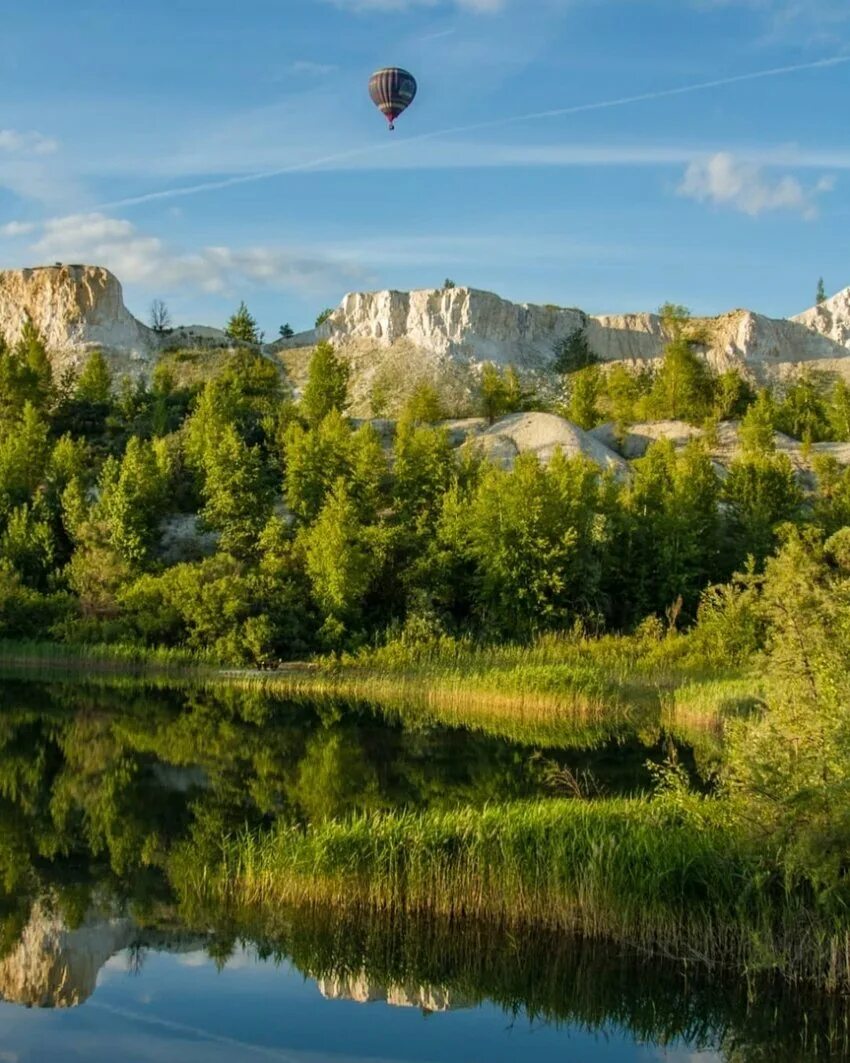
x=102, y=959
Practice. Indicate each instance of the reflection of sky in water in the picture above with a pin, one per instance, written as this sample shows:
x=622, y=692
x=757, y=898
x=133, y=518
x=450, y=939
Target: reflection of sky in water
x=179, y=1009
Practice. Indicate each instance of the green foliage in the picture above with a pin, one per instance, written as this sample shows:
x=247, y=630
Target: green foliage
x=323, y=316
x=236, y=492
x=761, y=493
x=94, y=383
x=803, y=412
x=683, y=388
x=820, y=295
x=242, y=327
x=338, y=562
x=327, y=384
x=758, y=427
x=584, y=389
x=573, y=353
x=500, y=391
x=788, y=767
x=423, y=406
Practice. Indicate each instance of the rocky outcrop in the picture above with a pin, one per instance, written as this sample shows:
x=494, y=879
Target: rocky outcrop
x=467, y=326
x=830, y=319
x=542, y=434
x=77, y=309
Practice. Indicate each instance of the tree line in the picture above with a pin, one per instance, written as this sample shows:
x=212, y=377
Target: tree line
x=303, y=531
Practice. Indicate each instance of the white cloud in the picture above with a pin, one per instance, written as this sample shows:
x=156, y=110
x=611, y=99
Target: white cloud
x=727, y=181
x=477, y=6
x=18, y=228
x=147, y=260
x=30, y=143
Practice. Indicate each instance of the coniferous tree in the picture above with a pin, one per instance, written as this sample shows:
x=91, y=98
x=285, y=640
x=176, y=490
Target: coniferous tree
x=94, y=384
x=242, y=327
x=327, y=384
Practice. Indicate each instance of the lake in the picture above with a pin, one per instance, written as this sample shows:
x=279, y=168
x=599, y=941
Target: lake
x=101, y=958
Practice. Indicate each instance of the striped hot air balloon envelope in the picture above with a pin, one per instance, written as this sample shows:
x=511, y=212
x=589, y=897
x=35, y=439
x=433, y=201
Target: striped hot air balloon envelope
x=392, y=90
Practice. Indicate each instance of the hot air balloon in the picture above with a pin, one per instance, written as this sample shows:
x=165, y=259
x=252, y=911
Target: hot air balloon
x=392, y=90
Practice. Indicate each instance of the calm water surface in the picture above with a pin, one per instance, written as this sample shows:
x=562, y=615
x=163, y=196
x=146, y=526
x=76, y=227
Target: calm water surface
x=100, y=958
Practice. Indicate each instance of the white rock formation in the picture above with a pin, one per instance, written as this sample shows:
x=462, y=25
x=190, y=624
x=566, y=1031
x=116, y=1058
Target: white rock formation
x=464, y=325
x=78, y=309
x=830, y=319
x=542, y=434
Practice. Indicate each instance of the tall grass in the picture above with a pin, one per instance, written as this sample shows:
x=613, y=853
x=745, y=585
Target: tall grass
x=36, y=655
x=649, y=874
x=600, y=685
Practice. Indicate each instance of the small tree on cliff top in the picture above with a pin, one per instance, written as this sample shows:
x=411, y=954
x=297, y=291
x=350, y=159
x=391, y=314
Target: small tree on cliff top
x=242, y=327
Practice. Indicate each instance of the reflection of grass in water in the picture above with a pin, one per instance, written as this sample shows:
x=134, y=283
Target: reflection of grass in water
x=535, y=974
x=671, y=880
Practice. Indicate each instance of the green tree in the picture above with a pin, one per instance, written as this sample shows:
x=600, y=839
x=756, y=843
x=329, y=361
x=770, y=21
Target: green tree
x=760, y=494
x=286, y=331
x=838, y=411
x=242, y=327
x=493, y=392
x=134, y=496
x=338, y=563
x=787, y=768
x=683, y=387
x=423, y=404
x=733, y=395
x=236, y=493
x=314, y=459
x=573, y=352
x=672, y=536
x=757, y=433
x=327, y=384
x=820, y=296
x=583, y=393
x=28, y=545
x=324, y=316
x=803, y=412
x=530, y=534
x=94, y=384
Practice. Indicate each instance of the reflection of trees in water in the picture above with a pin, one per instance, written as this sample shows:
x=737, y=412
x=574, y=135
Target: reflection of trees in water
x=119, y=771
x=99, y=783
x=537, y=976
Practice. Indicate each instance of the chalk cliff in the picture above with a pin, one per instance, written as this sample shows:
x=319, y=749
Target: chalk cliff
x=77, y=309
x=464, y=325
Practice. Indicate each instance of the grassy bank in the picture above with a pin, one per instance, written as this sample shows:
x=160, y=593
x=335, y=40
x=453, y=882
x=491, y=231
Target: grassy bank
x=107, y=657
x=673, y=881
x=596, y=686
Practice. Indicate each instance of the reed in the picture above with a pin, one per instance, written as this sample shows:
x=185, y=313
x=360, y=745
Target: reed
x=117, y=657
x=680, y=883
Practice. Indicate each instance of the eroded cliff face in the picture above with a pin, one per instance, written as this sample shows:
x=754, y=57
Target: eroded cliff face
x=464, y=325
x=830, y=319
x=76, y=309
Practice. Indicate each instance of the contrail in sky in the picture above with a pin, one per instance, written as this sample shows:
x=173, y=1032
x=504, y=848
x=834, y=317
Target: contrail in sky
x=600, y=105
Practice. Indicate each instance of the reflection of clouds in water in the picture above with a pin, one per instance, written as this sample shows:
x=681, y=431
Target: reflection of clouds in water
x=215, y=1048
x=194, y=959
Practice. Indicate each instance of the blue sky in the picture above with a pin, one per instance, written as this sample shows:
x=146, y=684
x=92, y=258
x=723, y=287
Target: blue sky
x=132, y=136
